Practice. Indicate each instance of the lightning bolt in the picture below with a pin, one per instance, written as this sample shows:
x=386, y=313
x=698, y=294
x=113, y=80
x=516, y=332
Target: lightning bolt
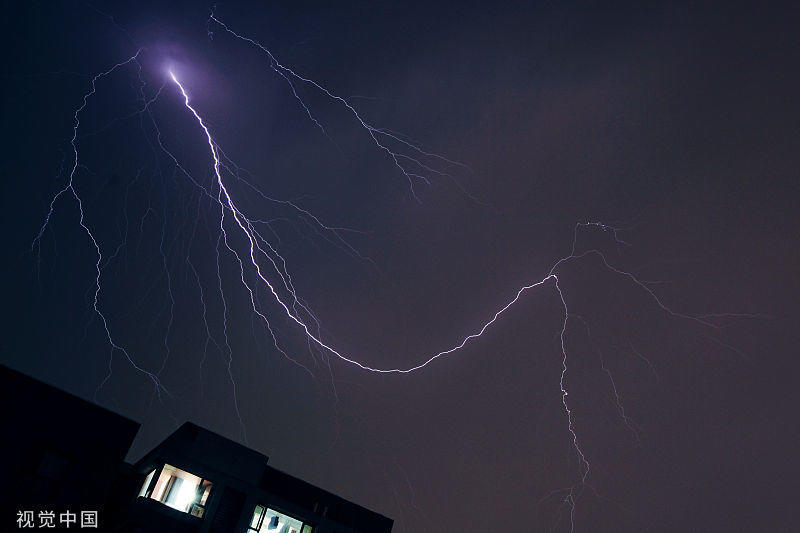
x=247, y=229
x=262, y=268
x=70, y=188
x=410, y=164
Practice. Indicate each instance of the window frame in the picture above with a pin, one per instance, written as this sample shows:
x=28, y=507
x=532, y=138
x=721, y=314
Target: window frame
x=204, y=485
x=305, y=527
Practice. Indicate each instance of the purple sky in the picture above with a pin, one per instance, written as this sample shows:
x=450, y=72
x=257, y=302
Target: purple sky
x=678, y=126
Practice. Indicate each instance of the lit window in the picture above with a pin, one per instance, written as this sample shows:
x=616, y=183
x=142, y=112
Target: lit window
x=179, y=489
x=146, y=484
x=269, y=521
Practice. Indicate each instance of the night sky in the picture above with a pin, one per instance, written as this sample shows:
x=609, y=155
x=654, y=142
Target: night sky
x=680, y=127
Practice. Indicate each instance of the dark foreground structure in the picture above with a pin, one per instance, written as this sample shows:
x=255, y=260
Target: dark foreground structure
x=65, y=466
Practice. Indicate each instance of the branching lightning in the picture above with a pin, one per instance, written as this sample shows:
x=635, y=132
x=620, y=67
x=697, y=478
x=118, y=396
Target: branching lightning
x=262, y=268
x=70, y=187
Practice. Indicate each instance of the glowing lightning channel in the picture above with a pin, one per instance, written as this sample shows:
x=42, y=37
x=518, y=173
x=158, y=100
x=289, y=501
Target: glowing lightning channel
x=247, y=228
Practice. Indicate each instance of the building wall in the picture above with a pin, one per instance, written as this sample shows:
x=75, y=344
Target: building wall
x=60, y=452
x=63, y=453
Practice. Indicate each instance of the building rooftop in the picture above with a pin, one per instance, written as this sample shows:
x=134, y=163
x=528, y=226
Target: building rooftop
x=220, y=460
x=65, y=453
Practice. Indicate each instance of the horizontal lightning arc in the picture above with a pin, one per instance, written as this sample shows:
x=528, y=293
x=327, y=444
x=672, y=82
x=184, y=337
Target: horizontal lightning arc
x=246, y=225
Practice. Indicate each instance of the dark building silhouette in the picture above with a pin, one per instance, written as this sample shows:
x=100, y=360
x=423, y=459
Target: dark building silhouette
x=66, y=455
x=60, y=452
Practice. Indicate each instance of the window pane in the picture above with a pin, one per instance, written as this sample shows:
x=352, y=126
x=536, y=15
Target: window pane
x=275, y=522
x=178, y=489
x=205, y=490
x=147, y=480
x=257, y=514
